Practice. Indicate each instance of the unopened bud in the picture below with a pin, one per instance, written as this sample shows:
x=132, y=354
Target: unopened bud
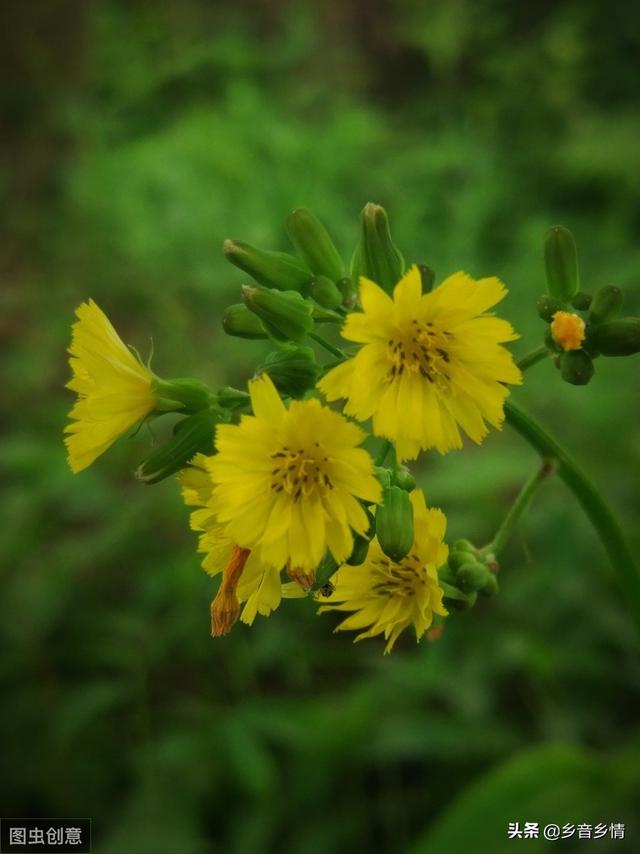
x=403, y=478
x=325, y=292
x=192, y=435
x=285, y=315
x=576, y=367
x=278, y=270
x=472, y=576
x=582, y=301
x=242, y=323
x=377, y=257
x=394, y=523
x=312, y=241
x=618, y=337
x=547, y=306
x=561, y=263
x=294, y=370
x=606, y=305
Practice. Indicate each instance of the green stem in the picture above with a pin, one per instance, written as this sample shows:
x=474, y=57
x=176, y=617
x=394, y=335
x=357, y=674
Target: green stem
x=521, y=503
x=382, y=453
x=335, y=351
x=590, y=500
x=533, y=357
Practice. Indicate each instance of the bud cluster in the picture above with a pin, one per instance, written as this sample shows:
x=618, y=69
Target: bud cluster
x=582, y=326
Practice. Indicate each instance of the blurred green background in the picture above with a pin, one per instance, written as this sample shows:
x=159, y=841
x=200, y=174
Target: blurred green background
x=137, y=137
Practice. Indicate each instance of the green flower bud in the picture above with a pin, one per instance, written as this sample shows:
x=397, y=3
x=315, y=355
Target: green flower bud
x=403, y=478
x=547, y=306
x=606, y=305
x=376, y=256
x=581, y=301
x=394, y=523
x=186, y=394
x=242, y=323
x=349, y=292
x=286, y=316
x=561, y=263
x=272, y=269
x=472, y=576
x=294, y=370
x=458, y=559
x=313, y=244
x=618, y=337
x=464, y=546
x=576, y=367
x=325, y=292
x=428, y=278
x=192, y=435
x=491, y=586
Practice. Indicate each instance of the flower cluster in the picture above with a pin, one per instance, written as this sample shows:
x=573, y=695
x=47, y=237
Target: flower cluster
x=297, y=485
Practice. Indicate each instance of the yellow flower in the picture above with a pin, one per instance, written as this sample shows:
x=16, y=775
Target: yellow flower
x=429, y=364
x=567, y=330
x=247, y=579
x=287, y=481
x=389, y=596
x=113, y=387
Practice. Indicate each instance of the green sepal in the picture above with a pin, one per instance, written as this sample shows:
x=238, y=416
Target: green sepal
x=314, y=245
x=576, y=367
x=427, y=277
x=294, y=370
x=606, y=305
x=238, y=321
x=192, y=435
x=278, y=270
x=618, y=337
x=232, y=398
x=383, y=476
x=181, y=394
x=491, y=586
x=286, y=316
x=561, y=263
x=547, y=306
x=377, y=257
x=394, y=523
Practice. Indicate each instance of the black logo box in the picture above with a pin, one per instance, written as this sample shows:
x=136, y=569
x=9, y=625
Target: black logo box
x=37, y=828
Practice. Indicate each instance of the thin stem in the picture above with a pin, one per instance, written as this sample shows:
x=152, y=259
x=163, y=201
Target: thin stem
x=335, y=351
x=521, y=503
x=590, y=500
x=533, y=357
x=382, y=453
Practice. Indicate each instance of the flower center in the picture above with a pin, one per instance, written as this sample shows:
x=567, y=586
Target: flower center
x=397, y=579
x=420, y=349
x=300, y=472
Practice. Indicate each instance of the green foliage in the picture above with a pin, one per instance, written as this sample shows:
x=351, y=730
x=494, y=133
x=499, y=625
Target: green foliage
x=147, y=134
